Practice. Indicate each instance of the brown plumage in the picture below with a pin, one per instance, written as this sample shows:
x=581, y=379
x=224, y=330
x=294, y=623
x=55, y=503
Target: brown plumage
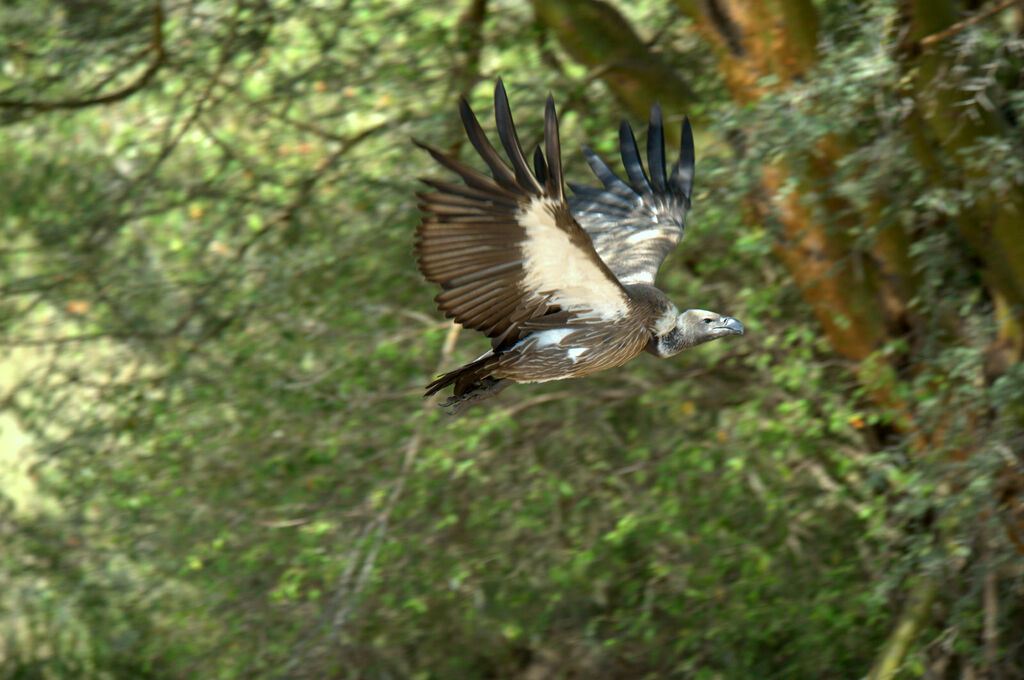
x=514, y=264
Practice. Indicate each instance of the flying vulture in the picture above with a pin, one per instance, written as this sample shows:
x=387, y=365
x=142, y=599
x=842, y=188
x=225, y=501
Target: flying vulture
x=563, y=286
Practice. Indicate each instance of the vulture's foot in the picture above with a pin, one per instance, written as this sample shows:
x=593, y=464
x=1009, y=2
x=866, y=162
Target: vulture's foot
x=482, y=389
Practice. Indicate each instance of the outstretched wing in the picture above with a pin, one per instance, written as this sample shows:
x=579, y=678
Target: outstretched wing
x=505, y=248
x=635, y=225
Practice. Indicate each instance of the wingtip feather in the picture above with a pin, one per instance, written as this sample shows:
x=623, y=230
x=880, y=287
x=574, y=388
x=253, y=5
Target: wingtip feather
x=510, y=139
x=502, y=174
x=685, y=166
x=540, y=167
x=631, y=158
x=656, y=150
x=553, y=148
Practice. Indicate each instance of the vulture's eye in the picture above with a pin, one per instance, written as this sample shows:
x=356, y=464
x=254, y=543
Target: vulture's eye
x=707, y=320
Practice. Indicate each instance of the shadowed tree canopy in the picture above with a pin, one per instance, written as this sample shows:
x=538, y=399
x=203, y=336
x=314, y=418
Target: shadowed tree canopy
x=214, y=456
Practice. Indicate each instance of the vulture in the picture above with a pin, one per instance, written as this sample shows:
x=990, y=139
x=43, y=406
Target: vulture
x=563, y=285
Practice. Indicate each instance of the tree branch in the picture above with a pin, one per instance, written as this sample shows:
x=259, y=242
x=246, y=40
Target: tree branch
x=935, y=38
x=156, y=46
x=913, y=619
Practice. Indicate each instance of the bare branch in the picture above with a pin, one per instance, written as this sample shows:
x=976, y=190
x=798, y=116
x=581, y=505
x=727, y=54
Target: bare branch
x=915, y=617
x=935, y=38
x=156, y=47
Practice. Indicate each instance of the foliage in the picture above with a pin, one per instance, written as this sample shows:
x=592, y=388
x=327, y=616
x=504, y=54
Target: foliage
x=216, y=337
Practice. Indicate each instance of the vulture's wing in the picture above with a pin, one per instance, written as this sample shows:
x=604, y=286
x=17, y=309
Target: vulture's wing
x=635, y=226
x=505, y=248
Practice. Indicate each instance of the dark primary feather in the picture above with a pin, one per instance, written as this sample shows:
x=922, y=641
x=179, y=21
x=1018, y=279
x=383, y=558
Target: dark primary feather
x=656, y=150
x=510, y=140
x=635, y=225
x=682, y=173
x=502, y=174
x=553, y=148
x=539, y=166
x=631, y=159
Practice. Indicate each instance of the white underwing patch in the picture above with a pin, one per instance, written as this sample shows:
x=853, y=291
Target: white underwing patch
x=638, y=277
x=643, y=235
x=552, y=337
x=575, y=353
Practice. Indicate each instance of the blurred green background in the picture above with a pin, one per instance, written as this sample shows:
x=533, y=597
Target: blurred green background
x=214, y=457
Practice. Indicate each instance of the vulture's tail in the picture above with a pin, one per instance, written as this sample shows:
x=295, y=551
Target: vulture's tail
x=473, y=382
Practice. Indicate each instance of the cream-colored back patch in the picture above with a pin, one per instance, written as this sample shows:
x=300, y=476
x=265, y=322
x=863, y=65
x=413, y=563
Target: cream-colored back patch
x=553, y=264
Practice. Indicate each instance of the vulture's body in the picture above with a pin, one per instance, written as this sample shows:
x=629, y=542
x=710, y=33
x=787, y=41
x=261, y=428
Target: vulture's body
x=563, y=287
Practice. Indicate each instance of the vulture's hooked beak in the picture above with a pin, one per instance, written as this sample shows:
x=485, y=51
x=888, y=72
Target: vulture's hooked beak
x=731, y=324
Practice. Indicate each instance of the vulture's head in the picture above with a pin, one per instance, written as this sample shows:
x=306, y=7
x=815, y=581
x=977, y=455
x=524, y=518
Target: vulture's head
x=676, y=332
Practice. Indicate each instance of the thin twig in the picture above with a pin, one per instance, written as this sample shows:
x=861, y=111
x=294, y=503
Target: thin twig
x=945, y=33
x=990, y=605
x=159, y=57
